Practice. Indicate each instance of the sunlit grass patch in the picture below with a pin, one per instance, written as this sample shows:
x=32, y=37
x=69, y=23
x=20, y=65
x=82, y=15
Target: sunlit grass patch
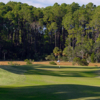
x=9, y=75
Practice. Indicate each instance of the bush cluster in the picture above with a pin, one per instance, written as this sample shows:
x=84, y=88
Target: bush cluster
x=14, y=64
x=64, y=58
x=52, y=63
x=29, y=61
x=92, y=57
x=50, y=57
x=81, y=62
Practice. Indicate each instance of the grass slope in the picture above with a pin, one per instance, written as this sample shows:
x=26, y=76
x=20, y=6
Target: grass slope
x=44, y=82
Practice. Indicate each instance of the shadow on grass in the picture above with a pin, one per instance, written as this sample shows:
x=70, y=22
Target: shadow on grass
x=17, y=69
x=76, y=67
x=61, y=73
x=51, y=70
x=51, y=92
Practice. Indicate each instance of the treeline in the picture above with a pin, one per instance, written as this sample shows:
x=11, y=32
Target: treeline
x=27, y=32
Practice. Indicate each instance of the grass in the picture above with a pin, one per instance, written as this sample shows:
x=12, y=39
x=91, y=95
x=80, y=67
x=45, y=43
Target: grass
x=46, y=82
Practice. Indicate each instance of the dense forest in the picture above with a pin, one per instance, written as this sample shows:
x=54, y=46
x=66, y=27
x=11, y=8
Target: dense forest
x=27, y=32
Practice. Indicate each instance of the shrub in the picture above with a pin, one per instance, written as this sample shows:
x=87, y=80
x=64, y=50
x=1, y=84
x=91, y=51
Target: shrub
x=33, y=60
x=50, y=57
x=47, y=57
x=52, y=63
x=92, y=57
x=26, y=60
x=14, y=64
x=29, y=61
x=64, y=58
x=84, y=62
x=10, y=63
x=79, y=61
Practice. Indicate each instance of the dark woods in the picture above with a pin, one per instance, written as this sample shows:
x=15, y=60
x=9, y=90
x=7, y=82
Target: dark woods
x=33, y=33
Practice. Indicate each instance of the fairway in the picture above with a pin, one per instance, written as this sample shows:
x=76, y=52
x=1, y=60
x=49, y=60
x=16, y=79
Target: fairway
x=48, y=82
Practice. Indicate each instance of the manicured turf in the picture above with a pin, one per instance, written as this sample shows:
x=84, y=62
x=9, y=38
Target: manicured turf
x=44, y=82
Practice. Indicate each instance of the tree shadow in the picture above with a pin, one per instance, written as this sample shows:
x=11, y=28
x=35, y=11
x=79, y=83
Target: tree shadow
x=61, y=66
x=51, y=92
x=12, y=69
x=50, y=70
x=61, y=73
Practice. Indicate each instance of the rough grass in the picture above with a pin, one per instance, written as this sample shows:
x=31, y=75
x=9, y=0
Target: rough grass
x=45, y=82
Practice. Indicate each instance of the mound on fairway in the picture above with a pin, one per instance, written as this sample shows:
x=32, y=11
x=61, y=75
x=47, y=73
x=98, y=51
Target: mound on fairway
x=10, y=75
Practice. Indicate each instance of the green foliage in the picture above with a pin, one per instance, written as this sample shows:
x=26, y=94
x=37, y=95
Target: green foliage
x=36, y=31
x=97, y=57
x=32, y=60
x=29, y=61
x=50, y=57
x=26, y=60
x=57, y=51
x=77, y=60
x=92, y=57
x=98, y=39
x=68, y=52
x=81, y=62
x=52, y=27
x=84, y=62
x=52, y=63
x=14, y=64
x=64, y=58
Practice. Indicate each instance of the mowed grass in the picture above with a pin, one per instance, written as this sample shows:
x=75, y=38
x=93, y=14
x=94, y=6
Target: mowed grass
x=46, y=82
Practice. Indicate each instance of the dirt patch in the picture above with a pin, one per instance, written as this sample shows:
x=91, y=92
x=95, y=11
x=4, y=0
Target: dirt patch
x=13, y=62
x=67, y=63
x=46, y=63
x=94, y=64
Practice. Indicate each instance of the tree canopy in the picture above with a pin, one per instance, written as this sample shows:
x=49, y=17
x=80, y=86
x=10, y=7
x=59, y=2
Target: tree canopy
x=27, y=32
